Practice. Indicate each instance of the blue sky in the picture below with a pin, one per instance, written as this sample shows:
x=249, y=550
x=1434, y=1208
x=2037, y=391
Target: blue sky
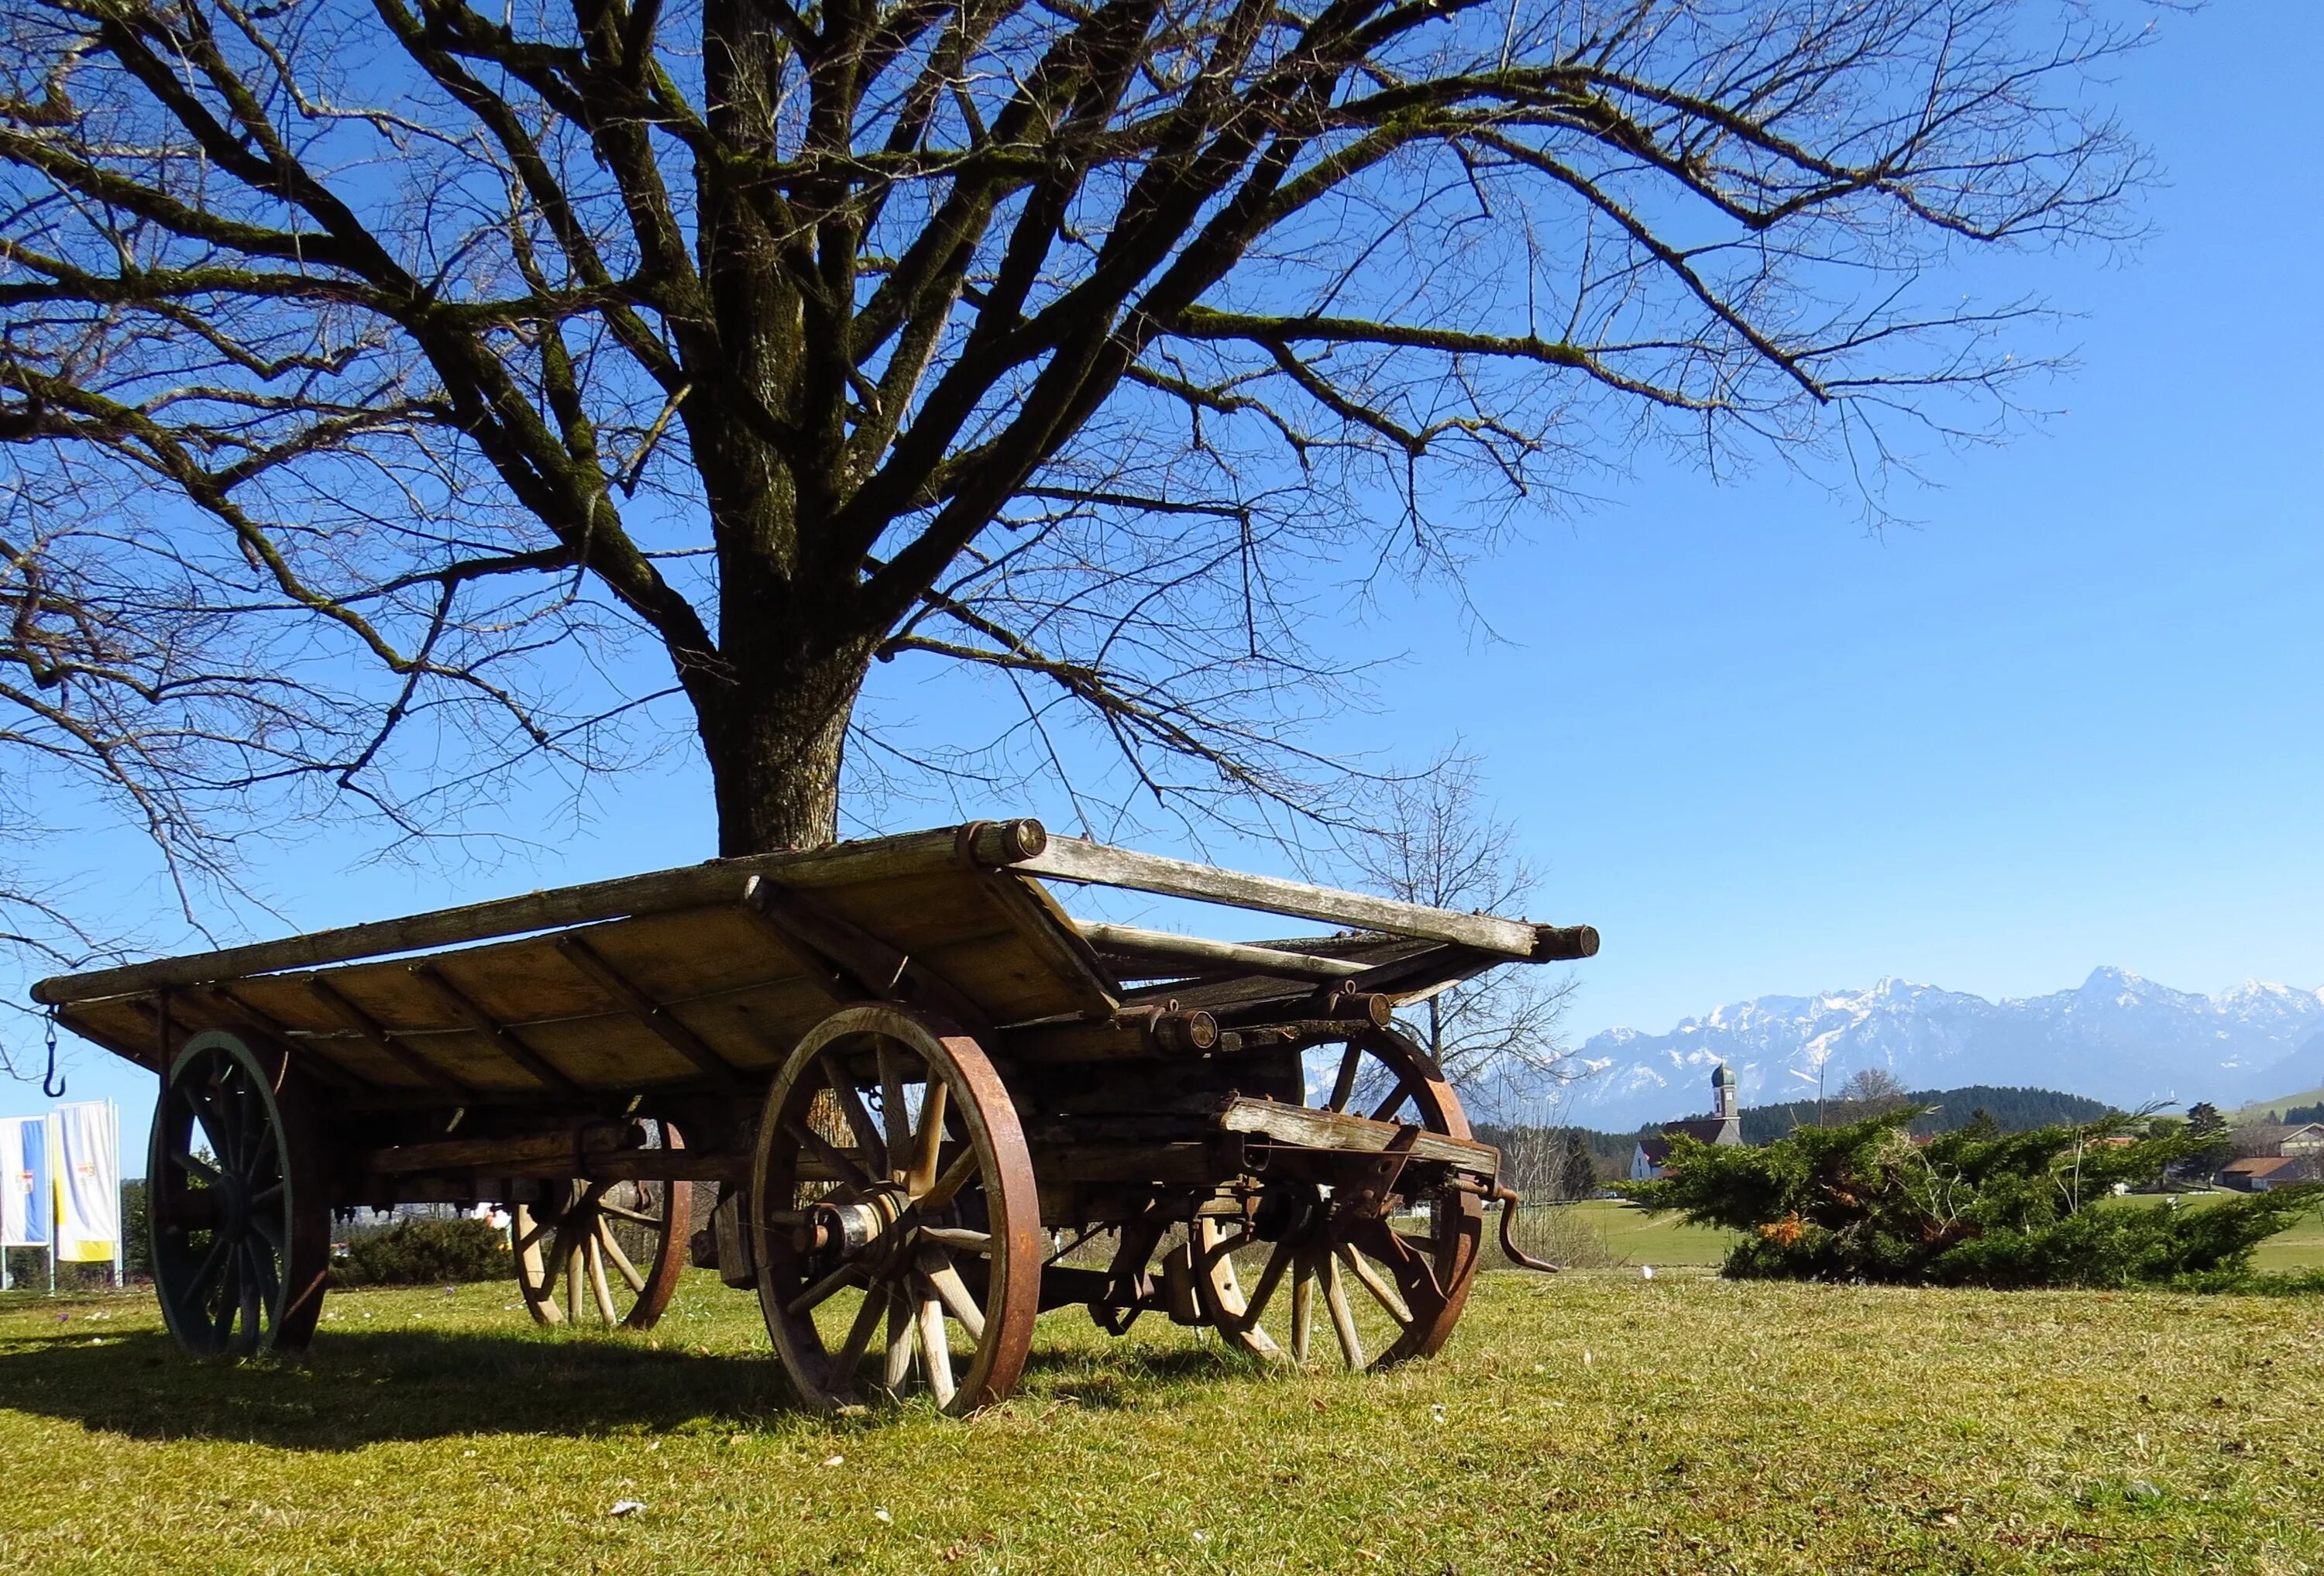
x=2069, y=716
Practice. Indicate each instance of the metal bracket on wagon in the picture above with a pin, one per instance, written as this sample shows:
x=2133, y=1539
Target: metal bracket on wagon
x=1507, y=1198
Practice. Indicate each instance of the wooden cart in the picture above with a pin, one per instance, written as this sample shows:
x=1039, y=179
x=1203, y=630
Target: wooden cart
x=933, y=1105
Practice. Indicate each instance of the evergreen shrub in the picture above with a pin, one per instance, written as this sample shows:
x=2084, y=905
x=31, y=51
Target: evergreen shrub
x=1862, y=1201
x=426, y=1253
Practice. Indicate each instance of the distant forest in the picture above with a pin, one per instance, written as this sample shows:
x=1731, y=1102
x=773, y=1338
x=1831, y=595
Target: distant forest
x=2014, y=1111
x=1535, y=1154
x=2299, y=1115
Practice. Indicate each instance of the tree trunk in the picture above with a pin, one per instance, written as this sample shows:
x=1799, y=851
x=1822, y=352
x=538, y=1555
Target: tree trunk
x=775, y=740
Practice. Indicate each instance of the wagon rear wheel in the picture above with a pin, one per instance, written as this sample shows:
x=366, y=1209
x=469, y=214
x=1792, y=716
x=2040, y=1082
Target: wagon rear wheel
x=239, y=1216
x=1386, y=1278
x=896, y=1224
x=607, y=1253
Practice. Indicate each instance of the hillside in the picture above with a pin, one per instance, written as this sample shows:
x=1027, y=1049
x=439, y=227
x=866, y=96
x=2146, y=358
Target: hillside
x=2278, y=1107
x=2117, y=1037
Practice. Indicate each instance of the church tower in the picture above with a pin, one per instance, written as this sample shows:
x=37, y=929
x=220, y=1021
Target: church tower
x=1723, y=1106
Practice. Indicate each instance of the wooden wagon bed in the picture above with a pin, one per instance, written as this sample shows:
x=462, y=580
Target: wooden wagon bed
x=648, y=1031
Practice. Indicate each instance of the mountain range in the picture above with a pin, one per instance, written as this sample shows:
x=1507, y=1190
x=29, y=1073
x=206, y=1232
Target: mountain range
x=2117, y=1038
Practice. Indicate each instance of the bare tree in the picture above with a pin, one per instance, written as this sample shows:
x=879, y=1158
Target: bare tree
x=429, y=392
x=1870, y=1090
x=1496, y=1037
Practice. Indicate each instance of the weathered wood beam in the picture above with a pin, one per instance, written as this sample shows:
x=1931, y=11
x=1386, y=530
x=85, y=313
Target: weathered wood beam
x=1136, y=942
x=1073, y=859
x=1301, y=1126
x=1139, y=1034
x=701, y=886
x=371, y=1030
x=564, y=1153
x=593, y=966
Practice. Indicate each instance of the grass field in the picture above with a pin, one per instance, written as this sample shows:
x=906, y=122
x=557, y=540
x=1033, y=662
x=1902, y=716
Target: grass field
x=1635, y=1238
x=1595, y=1423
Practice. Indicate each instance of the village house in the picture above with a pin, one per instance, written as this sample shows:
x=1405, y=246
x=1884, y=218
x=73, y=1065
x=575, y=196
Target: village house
x=2305, y=1140
x=1724, y=1125
x=2259, y=1173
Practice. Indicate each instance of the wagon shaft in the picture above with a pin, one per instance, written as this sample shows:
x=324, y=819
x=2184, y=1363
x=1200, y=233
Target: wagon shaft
x=909, y=1073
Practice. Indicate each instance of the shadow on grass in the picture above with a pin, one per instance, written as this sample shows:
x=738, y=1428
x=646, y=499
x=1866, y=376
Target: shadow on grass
x=359, y=1388
x=356, y=1388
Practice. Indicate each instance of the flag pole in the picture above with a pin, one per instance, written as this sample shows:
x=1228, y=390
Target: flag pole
x=120, y=1215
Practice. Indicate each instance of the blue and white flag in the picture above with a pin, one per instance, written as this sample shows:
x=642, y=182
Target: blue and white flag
x=89, y=1180
x=24, y=1182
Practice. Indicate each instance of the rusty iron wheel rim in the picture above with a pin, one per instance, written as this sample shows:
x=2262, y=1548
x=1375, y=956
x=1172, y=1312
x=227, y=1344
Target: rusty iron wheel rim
x=949, y=1214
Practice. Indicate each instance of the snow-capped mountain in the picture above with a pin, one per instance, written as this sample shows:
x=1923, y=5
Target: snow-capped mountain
x=2118, y=1038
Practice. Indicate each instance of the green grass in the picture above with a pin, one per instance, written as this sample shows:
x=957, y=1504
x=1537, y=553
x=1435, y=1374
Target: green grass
x=1593, y=1423
x=1635, y=1238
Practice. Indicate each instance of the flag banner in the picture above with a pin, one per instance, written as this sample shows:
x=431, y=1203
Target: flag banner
x=24, y=1182
x=89, y=1181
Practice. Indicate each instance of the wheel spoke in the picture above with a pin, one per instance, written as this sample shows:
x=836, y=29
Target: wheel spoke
x=1382, y=1293
x=859, y=1338
x=966, y=1240
x=268, y=1228
x=956, y=1175
x=270, y=1278
x=928, y=1143
x=597, y=1287
x=225, y=1137
x=1269, y=1280
x=229, y=1298
x=1344, y=1317
x=935, y=1351
x=1302, y=1306
x=1344, y=1087
x=249, y=1298
x=266, y=1195
x=851, y=1106
x=824, y=1290
x=200, y=1284
x=624, y=1213
x=1394, y=1100
x=838, y=1159
x=892, y=1111
x=542, y=1225
x=612, y=1248
x=185, y=1160
x=573, y=1274
x=900, y=1342
x=943, y=1280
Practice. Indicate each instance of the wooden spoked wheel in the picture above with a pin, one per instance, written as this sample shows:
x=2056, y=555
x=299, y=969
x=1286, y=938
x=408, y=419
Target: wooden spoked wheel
x=604, y=1252
x=894, y=1221
x=1388, y=1274
x=240, y=1221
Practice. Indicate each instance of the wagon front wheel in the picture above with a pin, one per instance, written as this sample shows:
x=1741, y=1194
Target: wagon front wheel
x=237, y=1211
x=896, y=1223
